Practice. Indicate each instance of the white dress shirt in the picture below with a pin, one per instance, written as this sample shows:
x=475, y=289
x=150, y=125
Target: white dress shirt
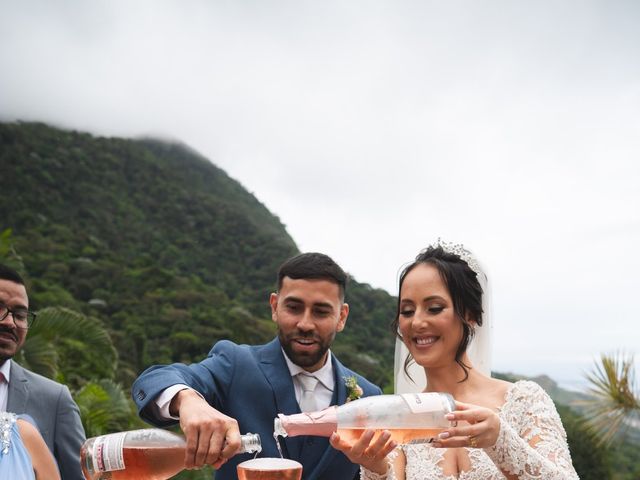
x=5, y=375
x=326, y=381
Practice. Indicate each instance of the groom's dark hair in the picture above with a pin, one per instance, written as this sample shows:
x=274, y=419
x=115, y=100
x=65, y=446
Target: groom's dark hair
x=464, y=288
x=313, y=266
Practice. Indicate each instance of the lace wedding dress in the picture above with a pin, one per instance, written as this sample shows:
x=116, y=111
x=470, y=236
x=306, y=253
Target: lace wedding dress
x=532, y=444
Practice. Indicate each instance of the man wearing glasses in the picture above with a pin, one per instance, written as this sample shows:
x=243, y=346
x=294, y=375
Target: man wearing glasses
x=21, y=391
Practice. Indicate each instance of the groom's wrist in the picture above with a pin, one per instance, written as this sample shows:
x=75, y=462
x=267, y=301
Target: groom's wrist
x=182, y=395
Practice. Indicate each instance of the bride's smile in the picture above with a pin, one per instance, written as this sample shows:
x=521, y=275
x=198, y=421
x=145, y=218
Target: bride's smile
x=425, y=341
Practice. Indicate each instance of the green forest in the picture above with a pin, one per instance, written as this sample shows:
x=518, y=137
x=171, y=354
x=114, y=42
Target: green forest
x=142, y=251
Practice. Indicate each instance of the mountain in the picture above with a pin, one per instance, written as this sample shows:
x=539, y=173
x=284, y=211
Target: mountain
x=559, y=395
x=160, y=245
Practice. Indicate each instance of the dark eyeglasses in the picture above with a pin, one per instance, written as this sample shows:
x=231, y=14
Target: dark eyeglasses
x=22, y=317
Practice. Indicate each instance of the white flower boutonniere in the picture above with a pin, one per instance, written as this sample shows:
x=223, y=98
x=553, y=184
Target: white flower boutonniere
x=354, y=391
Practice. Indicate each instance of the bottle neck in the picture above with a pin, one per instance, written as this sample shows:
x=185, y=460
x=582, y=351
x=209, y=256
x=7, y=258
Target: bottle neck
x=250, y=443
x=322, y=423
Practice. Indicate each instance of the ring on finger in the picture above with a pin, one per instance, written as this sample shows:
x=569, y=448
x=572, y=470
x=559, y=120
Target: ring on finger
x=473, y=442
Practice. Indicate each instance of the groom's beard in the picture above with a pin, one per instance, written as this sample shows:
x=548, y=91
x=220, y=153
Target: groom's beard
x=306, y=358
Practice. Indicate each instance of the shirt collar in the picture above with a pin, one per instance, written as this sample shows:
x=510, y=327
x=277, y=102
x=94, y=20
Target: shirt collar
x=324, y=374
x=5, y=369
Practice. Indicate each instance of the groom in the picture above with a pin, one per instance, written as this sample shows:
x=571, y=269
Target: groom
x=241, y=388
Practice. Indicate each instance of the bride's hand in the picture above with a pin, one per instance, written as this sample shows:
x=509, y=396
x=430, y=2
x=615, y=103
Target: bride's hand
x=481, y=432
x=371, y=455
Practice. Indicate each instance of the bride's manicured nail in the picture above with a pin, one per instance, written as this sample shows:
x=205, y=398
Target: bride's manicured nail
x=449, y=416
x=443, y=435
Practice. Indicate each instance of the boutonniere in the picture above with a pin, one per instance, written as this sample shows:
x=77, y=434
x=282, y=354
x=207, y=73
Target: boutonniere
x=354, y=391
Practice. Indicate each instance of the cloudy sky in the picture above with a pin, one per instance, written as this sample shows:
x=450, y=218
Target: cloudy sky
x=371, y=128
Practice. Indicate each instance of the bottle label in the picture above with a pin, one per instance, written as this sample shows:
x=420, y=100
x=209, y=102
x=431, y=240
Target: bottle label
x=107, y=452
x=422, y=402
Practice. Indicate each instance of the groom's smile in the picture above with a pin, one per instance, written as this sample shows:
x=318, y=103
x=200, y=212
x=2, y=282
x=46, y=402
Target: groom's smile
x=303, y=346
x=305, y=343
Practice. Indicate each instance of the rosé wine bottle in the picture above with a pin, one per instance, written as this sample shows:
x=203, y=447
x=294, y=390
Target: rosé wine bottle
x=147, y=454
x=409, y=417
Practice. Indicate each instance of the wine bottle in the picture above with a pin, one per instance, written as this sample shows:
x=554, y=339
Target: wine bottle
x=147, y=454
x=410, y=418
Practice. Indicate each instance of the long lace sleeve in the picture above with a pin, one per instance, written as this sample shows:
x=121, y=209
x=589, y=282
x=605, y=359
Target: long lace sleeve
x=390, y=475
x=532, y=443
x=369, y=475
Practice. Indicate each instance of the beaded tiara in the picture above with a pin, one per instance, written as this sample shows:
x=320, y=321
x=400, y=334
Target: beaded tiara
x=459, y=250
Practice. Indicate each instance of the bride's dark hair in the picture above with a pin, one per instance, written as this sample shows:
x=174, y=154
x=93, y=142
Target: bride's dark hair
x=464, y=288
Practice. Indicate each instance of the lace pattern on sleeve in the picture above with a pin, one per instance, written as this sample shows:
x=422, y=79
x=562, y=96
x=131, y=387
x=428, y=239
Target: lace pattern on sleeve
x=532, y=443
x=390, y=475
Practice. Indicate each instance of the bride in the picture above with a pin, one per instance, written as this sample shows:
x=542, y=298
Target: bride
x=503, y=430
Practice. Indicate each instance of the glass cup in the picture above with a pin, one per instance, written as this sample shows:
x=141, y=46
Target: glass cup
x=270, y=469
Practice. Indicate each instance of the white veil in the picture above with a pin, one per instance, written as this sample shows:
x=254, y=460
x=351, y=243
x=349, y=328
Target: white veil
x=479, y=349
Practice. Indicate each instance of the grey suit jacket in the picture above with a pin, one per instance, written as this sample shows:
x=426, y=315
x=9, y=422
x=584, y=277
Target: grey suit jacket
x=56, y=414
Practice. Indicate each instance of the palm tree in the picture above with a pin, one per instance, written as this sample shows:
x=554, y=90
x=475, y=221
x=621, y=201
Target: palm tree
x=615, y=403
x=69, y=347
x=77, y=350
x=105, y=408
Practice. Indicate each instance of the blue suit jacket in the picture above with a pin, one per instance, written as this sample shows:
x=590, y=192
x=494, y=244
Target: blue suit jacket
x=252, y=384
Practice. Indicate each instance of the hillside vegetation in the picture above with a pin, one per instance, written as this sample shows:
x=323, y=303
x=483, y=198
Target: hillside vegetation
x=162, y=247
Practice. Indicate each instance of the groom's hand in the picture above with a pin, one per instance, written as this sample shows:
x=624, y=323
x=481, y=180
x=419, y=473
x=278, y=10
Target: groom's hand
x=212, y=437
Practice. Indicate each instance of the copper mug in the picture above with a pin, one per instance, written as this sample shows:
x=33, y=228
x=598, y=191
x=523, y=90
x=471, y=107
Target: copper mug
x=270, y=469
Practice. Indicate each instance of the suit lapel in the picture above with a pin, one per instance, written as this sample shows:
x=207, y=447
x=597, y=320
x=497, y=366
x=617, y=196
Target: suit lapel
x=339, y=397
x=18, y=392
x=340, y=374
x=277, y=373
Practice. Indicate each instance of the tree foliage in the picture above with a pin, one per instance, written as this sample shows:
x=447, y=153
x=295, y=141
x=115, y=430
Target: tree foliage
x=106, y=408
x=159, y=246
x=69, y=347
x=590, y=459
x=614, y=404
